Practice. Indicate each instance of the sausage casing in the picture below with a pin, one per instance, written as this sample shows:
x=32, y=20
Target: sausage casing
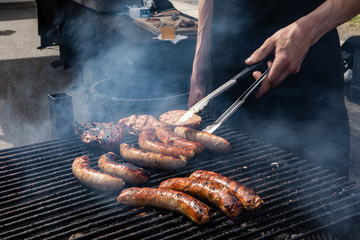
x=151, y=159
x=93, y=178
x=127, y=171
x=166, y=135
x=214, y=193
x=148, y=142
x=210, y=141
x=248, y=197
x=196, y=210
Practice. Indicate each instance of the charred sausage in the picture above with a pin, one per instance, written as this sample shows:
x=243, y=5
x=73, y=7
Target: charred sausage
x=166, y=135
x=127, y=171
x=148, y=142
x=151, y=159
x=214, y=193
x=210, y=141
x=93, y=178
x=248, y=197
x=197, y=211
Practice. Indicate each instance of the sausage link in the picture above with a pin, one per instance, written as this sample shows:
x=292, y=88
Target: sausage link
x=127, y=171
x=166, y=135
x=197, y=211
x=151, y=159
x=210, y=141
x=214, y=193
x=248, y=197
x=93, y=178
x=148, y=142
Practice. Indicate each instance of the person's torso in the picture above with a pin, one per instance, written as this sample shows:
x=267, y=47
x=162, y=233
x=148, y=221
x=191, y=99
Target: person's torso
x=240, y=27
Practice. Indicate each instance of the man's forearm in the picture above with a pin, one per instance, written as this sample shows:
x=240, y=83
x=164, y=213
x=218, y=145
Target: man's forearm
x=328, y=16
x=203, y=38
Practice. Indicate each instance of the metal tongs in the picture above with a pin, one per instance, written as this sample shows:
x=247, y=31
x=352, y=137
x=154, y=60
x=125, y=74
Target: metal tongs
x=240, y=101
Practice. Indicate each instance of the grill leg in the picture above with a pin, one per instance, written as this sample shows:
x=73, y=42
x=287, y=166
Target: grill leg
x=61, y=115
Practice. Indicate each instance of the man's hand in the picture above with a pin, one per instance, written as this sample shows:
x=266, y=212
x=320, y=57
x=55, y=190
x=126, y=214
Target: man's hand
x=289, y=46
x=197, y=92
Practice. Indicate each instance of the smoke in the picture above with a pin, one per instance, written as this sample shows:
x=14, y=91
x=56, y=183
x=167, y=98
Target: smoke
x=127, y=71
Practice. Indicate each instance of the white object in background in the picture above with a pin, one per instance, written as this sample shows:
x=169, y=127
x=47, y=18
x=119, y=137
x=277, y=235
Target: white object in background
x=148, y=3
x=137, y=11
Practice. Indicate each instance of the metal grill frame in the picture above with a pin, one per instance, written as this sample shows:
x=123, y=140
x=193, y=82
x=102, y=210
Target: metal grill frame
x=41, y=199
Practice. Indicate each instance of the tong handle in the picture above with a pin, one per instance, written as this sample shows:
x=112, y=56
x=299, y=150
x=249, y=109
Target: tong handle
x=211, y=128
x=204, y=102
x=244, y=73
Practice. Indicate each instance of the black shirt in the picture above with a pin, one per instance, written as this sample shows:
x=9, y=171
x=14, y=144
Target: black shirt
x=306, y=113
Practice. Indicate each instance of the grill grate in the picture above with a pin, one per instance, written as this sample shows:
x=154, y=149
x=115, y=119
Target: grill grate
x=41, y=199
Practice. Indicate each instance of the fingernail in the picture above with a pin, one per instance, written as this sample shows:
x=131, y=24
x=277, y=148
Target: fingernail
x=250, y=59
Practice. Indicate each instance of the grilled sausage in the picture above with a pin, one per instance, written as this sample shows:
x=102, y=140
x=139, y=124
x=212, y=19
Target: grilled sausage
x=93, y=178
x=214, y=193
x=148, y=142
x=210, y=141
x=151, y=159
x=248, y=197
x=197, y=211
x=127, y=171
x=166, y=135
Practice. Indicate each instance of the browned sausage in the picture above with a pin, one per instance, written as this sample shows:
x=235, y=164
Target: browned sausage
x=148, y=142
x=166, y=135
x=197, y=211
x=127, y=171
x=210, y=141
x=248, y=197
x=151, y=159
x=93, y=178
x=214, y=193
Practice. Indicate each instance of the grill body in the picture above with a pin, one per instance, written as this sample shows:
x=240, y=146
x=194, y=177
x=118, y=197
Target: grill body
x=41, y=199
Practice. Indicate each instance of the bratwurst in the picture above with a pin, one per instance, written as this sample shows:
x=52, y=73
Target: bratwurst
x=127, y=171
x=210, y=141
x=148, y=142
x=93, y=178
x=150, y=159
x=213, y=192
x=166, y=135
x=196, y=210
x=248, y=197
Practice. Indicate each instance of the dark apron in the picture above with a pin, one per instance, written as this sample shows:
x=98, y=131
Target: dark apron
x=306, y=113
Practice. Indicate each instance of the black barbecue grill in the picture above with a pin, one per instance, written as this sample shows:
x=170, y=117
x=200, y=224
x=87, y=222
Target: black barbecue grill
x=41, y=199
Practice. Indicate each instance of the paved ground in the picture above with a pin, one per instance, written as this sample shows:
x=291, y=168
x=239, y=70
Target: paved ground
x=26, y=79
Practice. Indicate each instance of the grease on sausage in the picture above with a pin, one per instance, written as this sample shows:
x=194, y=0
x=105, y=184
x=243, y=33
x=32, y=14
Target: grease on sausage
x=197, y=211
x=248, y=197
x=150, y=159
x=166, y=135
x=210, y=141
x=93, y=178
x=148, y=142
x=127, y=171
x=208, y=190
